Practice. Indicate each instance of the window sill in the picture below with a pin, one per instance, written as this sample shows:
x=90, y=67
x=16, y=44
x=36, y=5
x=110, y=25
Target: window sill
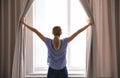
x=73, y=74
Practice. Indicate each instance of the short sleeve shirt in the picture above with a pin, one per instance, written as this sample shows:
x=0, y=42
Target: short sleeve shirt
x=56, y=58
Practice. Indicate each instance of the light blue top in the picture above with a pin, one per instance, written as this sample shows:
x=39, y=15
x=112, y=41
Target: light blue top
x=56, y=58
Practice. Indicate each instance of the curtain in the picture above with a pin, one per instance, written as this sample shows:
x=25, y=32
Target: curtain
x=103, y=41
x=11, y=37
x=91, y=42
x=117, y=28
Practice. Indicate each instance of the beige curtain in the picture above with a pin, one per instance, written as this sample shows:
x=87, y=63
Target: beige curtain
x=91, y=41
x=103, y=46
x=11, y=37
x=105, y=17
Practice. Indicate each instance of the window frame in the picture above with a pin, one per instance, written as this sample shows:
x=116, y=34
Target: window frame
x=29, y=52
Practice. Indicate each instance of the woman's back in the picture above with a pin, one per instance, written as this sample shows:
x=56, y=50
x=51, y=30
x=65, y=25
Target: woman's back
x=56, y=42
x=57, y=58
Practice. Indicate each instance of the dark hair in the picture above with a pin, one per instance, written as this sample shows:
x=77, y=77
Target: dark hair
x=57, y=31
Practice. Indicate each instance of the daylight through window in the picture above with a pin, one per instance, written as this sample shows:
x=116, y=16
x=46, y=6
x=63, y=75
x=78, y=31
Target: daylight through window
x=68, y=14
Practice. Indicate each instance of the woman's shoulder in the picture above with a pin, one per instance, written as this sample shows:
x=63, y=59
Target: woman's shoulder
x=64, y=39
x=47, y=40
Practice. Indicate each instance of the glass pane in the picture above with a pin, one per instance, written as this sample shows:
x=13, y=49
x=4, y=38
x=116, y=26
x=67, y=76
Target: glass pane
x=47, y=14
x=78, y=45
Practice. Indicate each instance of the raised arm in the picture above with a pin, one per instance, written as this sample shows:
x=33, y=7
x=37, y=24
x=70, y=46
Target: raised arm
x=33, y=29
x=79, y=31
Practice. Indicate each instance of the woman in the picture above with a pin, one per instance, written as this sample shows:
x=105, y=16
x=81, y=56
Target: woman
x=56, y=50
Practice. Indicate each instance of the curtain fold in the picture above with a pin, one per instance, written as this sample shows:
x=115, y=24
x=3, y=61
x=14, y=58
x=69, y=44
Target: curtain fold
x=103, y=40
x=117, y=27
x=91, y=42
x=11, y=37
x=19, y=61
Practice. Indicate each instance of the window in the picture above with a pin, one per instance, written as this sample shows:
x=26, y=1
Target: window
x=68, y=14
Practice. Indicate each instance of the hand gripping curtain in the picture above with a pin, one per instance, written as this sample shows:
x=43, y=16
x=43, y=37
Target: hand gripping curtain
x=18, y=70
x=91, y=42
